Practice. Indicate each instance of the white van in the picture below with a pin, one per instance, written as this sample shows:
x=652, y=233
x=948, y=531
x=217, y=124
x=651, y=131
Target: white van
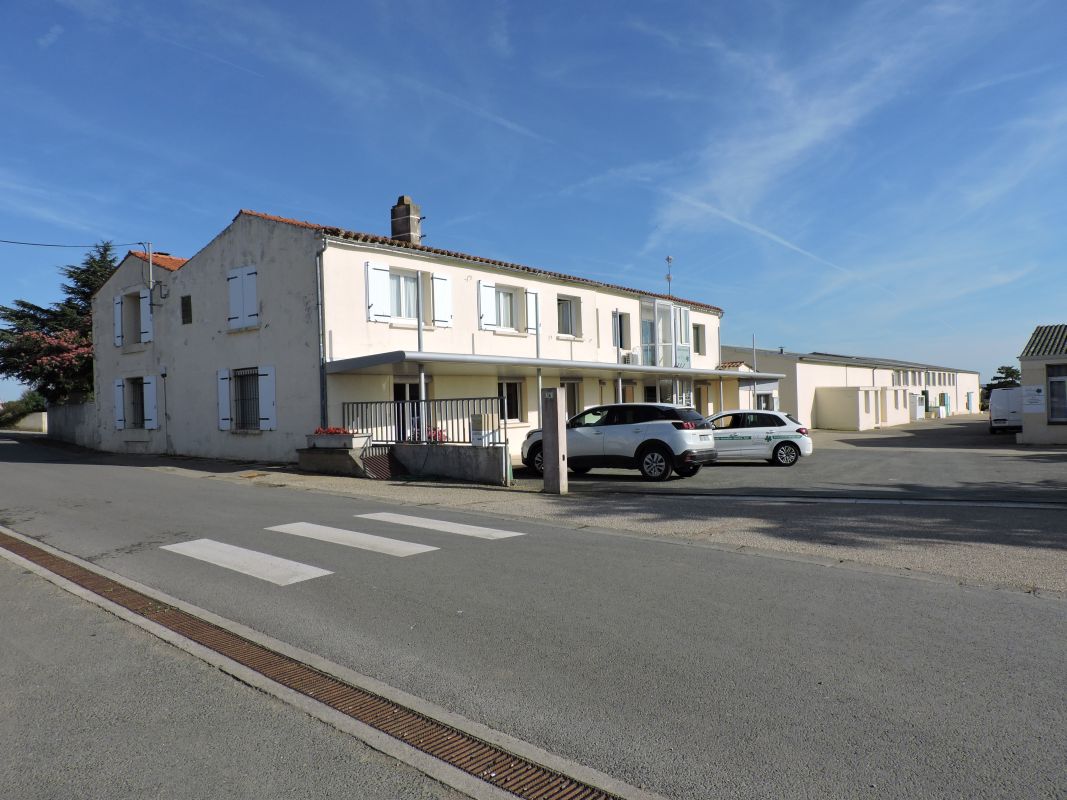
x=1006, y=410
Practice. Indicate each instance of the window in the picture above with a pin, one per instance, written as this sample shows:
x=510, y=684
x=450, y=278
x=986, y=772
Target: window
x=569, y=316
x=511, y=391
x=1057, y=392
x=573, y=391
x=505, y=308
x=403, y=295
x=591, y=418
x=620, y=330
x=135, y=399
x=135, y=403
x=244, y=301
x=866, y=402
x=187, y=309
x=133, y=318
x=246, y=399
x=700, y=341
x=394, y=294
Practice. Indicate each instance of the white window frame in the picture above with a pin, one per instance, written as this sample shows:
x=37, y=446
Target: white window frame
x=569, y=308
x=404, y=295
x=505, y=298
x=516, y=413
x=1055, y=379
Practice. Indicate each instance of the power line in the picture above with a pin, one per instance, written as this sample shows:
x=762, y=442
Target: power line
x=78, y=246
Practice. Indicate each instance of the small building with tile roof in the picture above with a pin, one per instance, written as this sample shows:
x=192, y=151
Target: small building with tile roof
x=1043, y=364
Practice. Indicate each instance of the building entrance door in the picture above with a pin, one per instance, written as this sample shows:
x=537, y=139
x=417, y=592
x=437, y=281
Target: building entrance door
x=406, y=396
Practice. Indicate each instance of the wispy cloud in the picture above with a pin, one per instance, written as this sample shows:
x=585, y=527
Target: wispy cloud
x=793, y=111
x=1000, y=80
x=23, y=197
x=50, y=38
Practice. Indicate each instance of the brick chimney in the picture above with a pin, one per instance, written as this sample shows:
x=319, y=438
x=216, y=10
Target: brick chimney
x=407, y=224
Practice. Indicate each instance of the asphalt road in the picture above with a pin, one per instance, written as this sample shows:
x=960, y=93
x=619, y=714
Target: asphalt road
x=671, y=665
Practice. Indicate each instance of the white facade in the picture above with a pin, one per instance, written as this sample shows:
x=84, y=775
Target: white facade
x=854, y=393
x=272, y=327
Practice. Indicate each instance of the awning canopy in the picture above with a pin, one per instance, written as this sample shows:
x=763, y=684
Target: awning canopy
x=406, y=362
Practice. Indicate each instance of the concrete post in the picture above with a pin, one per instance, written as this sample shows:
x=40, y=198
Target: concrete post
x=554, y=440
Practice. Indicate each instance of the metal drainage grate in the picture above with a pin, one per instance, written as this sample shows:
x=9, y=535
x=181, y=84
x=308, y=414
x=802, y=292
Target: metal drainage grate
x=485, y=761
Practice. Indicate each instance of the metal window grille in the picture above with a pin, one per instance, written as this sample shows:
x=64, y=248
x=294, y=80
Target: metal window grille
x=245, y=384
x=136, y=401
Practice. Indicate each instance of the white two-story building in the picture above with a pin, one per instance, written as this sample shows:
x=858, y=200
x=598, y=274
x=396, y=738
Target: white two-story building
x=276, y=324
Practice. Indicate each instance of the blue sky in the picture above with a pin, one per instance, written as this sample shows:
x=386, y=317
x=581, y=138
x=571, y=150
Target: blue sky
x=882, y=178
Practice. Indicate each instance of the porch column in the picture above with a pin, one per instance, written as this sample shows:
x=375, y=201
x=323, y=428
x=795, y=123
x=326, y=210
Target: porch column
x=618, y=389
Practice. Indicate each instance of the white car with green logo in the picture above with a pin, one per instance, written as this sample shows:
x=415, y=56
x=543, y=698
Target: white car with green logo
x=769, y=435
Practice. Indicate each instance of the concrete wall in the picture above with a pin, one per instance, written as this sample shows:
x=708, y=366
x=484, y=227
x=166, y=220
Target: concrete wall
x=75, y=423
x=35, y=422
x=472, y=464
x=838, y=408
x=1036, y=427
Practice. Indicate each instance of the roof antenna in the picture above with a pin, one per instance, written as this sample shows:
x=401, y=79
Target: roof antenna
x=669, y=278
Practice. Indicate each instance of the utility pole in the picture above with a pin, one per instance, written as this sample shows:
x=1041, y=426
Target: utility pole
x=669, y=277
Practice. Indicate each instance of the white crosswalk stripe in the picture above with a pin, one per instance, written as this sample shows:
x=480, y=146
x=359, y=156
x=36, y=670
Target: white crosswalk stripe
x=279, y=571
x=440, y=525
x=364, y=541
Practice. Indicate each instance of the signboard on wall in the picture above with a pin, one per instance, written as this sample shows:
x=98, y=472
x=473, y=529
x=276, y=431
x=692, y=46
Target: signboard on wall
x=1033, y=399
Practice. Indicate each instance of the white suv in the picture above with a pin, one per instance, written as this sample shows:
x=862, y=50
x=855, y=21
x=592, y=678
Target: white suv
x=655, y=438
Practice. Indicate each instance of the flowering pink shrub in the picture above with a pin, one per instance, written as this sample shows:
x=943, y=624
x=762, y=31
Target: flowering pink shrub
x=334, y=430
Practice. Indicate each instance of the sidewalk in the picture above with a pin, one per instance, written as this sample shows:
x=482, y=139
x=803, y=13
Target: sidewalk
x=94, y=707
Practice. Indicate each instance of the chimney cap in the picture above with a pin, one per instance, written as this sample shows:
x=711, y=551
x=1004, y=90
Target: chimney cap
x=404, y=200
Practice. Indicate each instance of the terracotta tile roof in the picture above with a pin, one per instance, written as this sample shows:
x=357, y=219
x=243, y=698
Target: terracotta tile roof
x=731, y=365
x=370, y=238
x=1046, y=340
x=170, y=263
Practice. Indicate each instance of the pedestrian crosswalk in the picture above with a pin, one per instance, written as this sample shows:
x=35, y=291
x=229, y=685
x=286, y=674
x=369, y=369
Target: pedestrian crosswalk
x=363, y=541
x=280, y=571
x=284, y=572
x=476, y=531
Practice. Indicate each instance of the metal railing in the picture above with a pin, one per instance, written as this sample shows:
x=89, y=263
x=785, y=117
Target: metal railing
x=478, y=421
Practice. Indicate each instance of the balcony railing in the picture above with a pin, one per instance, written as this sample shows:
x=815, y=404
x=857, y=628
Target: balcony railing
x=478, y=421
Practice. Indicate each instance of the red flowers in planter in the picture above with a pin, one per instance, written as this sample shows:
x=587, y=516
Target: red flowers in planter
x=334, y=430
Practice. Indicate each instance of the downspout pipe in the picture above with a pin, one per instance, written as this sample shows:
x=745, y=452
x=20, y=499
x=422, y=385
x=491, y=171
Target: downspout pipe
x=323, y=407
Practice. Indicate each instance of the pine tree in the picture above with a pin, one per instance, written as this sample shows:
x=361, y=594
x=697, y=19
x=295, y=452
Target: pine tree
x=50, y=348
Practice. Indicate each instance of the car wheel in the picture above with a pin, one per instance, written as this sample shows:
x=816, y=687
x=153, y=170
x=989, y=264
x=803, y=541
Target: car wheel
x=655, y=463
x=580, y=470
x=537, y=459
x=688, y=471
x=786, y=454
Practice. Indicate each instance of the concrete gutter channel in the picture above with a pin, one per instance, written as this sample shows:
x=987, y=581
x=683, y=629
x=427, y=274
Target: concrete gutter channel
x=483, y=763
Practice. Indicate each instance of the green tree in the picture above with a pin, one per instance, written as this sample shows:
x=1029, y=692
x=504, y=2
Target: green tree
x=13, y=411
x=50, y=348
x=1006, y=377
